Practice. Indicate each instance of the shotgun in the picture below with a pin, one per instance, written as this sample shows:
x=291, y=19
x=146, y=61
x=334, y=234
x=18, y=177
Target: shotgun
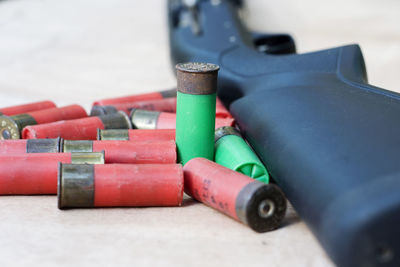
x=329, y=139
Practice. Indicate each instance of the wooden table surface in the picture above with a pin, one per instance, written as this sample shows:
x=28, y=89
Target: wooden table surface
x=79, y=51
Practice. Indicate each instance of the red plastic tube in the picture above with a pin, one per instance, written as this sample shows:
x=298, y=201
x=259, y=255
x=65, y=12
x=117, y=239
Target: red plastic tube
x=152, y=135
x=127, y=151
x=31, y=174
x=134, y=98
x=261, y=206
x=164, y=105
x=13, y=146
x=137, y=152
x=14, y=110
x=79, y=129
x=137, y=135
x=166, y=121
x=57, y=114
x=117, y=185
x=144, y=119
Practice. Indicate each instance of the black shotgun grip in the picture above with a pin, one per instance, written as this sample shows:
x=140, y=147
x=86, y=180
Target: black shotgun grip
x=329, y=139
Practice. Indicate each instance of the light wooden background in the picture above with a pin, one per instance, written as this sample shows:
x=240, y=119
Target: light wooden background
x=77, y=51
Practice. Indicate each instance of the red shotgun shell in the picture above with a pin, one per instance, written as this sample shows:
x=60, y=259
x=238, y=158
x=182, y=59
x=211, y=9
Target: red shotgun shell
x=137, y=135
x=11, y=127
x=127, y=152
x=36, y=174
x=145, y=119
x=30, y=146
x=79, y=129
x=261, y=206
x=133, y=98
x=162, y=105
x=118, y=185
x=15, y=110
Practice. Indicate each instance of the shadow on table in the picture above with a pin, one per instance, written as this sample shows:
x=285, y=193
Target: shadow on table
x=187, y=201
x=291, y=217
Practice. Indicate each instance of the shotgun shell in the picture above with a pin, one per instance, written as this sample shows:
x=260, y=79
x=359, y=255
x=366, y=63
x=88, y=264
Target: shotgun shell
x=145, y=119
x=134, y=98
x=36, y=174
x=30, y=146
x=117, y=185
x=232, y=151
x=161, y=105
x=79, y=129
x=11, y=127
x=137, y=135
x=150, y=120
x=260, y=206
x=15, y=110
x=195, y=110
x=127, y=152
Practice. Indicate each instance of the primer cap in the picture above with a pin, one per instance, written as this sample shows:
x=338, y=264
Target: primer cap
x=11, y=127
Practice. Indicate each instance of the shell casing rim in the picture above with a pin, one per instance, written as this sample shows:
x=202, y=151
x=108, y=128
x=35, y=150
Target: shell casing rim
x=117, y=120
x=197, y=67
x=7, y=123
x=144, y=119
x=98, y=110
x=88, y=158
x=120, y=134
x=53, y=145
x=83, y=198
x=77, y=146
x=224, y=131
x=197, y=78
x=247, y=206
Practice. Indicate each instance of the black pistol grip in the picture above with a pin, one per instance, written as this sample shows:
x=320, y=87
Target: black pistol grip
x=331, y=142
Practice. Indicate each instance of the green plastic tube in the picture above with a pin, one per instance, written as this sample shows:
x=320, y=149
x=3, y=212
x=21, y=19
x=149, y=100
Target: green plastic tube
x=195, y=110
x=232, y=151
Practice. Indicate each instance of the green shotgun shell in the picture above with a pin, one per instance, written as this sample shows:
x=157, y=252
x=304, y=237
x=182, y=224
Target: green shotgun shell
x=195, y=110
x=232, y=151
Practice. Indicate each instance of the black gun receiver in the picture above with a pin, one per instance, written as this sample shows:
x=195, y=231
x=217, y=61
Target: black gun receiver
x=328, y=138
